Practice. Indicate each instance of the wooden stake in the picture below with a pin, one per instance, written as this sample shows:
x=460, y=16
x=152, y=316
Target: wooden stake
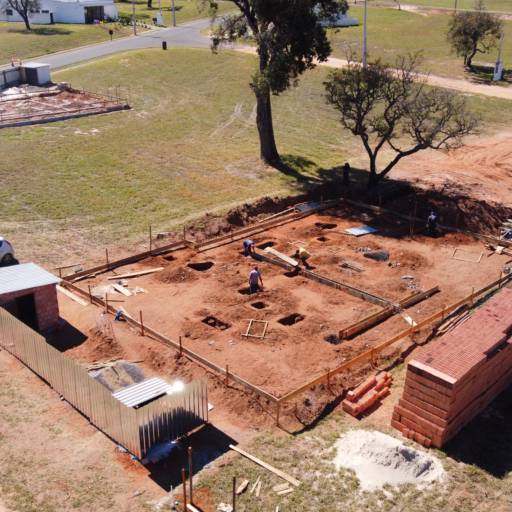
x=190, y=473
x=277, y=413
x=106, y=302
x=141, y=323
x=234, y=494
x=106, y=257
x=184, y=485
x=227, y=374
x=150, y=240
x=181, y=347
x=90, y=294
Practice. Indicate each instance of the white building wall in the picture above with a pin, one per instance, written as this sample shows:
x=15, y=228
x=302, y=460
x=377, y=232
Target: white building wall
x=63, y=12
x=68, y=12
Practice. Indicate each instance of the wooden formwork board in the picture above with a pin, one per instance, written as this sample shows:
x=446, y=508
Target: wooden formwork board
x=252, y=323
x=477, y=258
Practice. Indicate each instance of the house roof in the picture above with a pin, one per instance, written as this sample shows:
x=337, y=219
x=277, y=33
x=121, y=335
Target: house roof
x=23, y=277
x=463, y=349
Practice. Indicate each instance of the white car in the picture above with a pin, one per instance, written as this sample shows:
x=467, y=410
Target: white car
x=6, y=253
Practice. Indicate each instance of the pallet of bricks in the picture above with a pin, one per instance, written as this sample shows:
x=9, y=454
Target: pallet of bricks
x=454, y=378
x=367, y=394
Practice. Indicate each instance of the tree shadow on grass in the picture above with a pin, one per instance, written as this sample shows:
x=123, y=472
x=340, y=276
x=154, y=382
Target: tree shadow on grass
x=301, y=169
x=483, y=74
x=486, y=442
x=43, y=31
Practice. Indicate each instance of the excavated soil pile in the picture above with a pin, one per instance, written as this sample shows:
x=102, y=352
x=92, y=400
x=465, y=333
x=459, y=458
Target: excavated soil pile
x=378, y=459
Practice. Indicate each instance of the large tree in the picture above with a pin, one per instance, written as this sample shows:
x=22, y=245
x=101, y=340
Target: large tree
x=23, y=8
x=472, y=32
x=288, y=37
x=393, y=108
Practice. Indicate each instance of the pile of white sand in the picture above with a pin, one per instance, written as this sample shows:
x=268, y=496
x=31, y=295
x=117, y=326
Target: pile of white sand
x=378, y=459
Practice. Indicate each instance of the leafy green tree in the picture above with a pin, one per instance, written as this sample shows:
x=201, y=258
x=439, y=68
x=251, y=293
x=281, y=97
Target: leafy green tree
x=472, y=32
x=289, y=38
x=392, y=108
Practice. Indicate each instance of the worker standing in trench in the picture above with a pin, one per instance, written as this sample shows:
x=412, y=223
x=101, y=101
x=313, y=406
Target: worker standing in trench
x=255, y=281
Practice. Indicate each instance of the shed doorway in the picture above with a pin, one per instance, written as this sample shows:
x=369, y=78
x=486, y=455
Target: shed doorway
x=96, y=12
x=24, y=309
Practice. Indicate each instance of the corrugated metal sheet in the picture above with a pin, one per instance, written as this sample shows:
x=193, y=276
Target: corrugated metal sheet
x=22, y=277
x=138, y=430
x=142, y=392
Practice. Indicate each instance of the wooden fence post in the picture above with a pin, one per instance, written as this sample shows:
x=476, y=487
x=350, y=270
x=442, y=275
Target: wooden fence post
x=90, y=294
x=227, y=375
x=150, y=240
x=181, y=347
x=141, y=323
x=184, y=485
x=234, y=494
x=190, y=473
x=106, y=302
x=278, y=413
x=106, y=257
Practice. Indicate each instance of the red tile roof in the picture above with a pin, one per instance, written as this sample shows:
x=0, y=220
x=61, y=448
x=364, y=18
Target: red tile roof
x=466, y=347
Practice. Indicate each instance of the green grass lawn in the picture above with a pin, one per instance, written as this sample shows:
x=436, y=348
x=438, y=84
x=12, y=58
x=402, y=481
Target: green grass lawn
x=42, y=39
x=492, y=5
x=189, y=145
x=186, y=10
x=392, y=32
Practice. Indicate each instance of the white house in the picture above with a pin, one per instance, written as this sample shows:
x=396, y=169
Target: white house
x=64, y=11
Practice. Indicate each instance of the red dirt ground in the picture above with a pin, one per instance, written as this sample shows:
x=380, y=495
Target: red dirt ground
x=179, y=298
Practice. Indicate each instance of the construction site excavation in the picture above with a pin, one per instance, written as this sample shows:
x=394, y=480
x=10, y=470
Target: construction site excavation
x=358, y=288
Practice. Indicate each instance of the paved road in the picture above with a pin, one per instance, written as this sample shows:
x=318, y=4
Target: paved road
x=186, y=35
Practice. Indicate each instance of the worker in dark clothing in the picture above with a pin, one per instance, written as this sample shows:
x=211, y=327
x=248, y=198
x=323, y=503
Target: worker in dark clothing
x=248, y=247
x=432, y=223
x=255, y=281
x=346, y=175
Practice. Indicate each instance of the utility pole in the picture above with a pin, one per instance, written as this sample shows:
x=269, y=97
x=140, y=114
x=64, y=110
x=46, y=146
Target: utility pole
x=133, y=19
x=365, y=49
x=498, y=68
x=173, y=7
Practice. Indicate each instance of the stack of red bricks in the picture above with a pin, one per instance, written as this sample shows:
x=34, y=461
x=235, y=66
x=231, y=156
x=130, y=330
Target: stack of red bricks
x=372, y=390
x=457, y=376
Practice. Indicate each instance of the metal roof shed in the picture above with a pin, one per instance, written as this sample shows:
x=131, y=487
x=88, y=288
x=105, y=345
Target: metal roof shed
x=28, y=292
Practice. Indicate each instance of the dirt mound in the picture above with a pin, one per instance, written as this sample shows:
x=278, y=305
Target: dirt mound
x=104, y=346
x=176, y=275
x=379, y=459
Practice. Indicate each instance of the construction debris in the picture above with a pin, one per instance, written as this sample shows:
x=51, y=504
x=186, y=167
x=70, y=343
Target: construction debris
x=121, y=289
x=281, y=256
x=136, y=274
x=242, y=487
x=72, y=296
x=351, y=266
x=253, y=487
x=224, y=507
x=274, y=470
x=369, y=392
x=361, y=231
x=377, y=255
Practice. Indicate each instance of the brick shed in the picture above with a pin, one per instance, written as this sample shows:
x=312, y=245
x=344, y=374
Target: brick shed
x=29, y=293
x=454, y=378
